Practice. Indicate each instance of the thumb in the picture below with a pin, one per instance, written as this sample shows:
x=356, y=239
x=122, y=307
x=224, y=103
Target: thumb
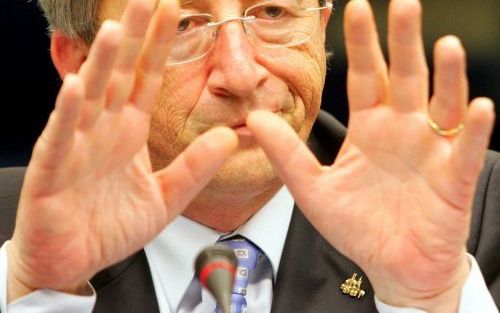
x=294, y=162
x=193, y=169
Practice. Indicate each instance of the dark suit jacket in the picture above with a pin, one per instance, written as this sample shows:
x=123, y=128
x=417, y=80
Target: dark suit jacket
x=308, y=280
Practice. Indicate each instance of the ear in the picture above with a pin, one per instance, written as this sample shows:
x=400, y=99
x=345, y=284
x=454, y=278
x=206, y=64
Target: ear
x=67, y=53
x=325, y=17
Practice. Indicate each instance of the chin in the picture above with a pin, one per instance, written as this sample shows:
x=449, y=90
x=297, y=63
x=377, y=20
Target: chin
x=247, y=171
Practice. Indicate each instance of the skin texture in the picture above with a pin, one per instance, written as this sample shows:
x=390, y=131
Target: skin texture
x=221, y=89
x=93, y=190
x=214, y=92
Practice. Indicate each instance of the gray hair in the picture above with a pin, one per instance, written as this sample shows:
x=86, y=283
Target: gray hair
x=77, y=18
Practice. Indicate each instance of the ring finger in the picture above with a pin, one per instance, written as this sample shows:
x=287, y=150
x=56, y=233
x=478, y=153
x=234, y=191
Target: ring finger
x=449, y=103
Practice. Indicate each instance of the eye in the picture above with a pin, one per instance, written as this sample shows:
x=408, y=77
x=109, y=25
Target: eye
x=183, y=25
x=191, y=22
x=273, y=11
x=269, y=12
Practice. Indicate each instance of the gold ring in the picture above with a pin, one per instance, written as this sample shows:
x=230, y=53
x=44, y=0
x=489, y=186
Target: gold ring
x=445, y=132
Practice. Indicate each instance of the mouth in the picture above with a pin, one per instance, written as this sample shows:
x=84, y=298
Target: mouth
x=240, y=127
x=242, y=130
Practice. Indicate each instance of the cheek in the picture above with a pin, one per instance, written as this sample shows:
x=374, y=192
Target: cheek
x=303, y=69
x=314, y=82
x=307, y=75
x=180, y=93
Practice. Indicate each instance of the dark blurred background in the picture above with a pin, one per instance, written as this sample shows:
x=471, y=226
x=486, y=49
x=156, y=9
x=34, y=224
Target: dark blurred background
x=29, y=83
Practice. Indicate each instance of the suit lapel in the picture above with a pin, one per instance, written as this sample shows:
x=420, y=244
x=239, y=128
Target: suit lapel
x=126, y=287
x=311, y=273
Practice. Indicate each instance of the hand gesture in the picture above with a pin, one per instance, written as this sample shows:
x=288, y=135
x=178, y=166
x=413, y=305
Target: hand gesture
x=397, y=199
x=90, y=197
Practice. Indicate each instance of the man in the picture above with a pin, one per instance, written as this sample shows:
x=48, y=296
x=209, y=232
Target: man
x=132, y=143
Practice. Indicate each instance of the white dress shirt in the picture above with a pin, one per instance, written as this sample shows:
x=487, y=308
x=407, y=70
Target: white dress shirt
x=173, y=277
x=177, y=291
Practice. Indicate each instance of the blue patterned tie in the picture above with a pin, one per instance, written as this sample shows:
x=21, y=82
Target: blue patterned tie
x=247, y=255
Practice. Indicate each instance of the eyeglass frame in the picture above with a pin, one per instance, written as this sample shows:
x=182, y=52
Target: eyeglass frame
x=327, y=6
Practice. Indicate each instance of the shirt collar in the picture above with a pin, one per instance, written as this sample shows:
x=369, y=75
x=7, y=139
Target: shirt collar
x=183, y=239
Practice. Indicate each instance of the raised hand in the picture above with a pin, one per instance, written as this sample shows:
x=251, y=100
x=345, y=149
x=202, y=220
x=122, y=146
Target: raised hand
x=90, y=197
x=397, y=199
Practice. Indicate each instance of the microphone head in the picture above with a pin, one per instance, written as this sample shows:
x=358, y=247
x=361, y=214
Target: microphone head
x=215, y=267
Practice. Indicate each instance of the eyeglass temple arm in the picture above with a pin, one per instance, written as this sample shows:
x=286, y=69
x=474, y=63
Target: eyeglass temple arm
x=327, y=5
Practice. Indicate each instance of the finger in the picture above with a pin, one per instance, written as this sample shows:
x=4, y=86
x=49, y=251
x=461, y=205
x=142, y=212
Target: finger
x=57, y=139
x=408, y=74
x=294, y=162
x=154, y=55
x=470, y=148
x=96, y=70
x=189, y=173
x=367, y=74
x=449, y=103
x=135, y=21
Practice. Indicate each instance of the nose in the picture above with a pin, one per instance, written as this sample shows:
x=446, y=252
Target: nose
x=235, y=70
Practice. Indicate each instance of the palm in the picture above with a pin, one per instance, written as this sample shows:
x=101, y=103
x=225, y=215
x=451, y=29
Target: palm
x=392, y=190
x=90, y=197
x=112, y=211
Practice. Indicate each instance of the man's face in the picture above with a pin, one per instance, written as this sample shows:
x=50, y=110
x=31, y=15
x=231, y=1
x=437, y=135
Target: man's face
x=233, y=79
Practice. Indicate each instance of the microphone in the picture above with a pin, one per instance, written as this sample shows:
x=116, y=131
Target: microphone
x=215, y=267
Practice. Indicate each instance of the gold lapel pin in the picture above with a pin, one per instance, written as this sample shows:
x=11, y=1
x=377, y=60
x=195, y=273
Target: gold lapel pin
x=352, y=287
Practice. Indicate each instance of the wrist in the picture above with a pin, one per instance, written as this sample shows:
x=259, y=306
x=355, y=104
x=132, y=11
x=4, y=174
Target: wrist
x=15, y=286
x=443, y=299
x=18, y=288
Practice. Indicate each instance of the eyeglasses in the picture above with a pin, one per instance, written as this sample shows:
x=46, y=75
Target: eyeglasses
x=272, y=24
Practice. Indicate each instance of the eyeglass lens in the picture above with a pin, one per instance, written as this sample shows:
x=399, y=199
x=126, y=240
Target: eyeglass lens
x=271, y=24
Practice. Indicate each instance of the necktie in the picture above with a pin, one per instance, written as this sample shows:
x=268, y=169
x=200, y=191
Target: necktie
x=247, y=255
